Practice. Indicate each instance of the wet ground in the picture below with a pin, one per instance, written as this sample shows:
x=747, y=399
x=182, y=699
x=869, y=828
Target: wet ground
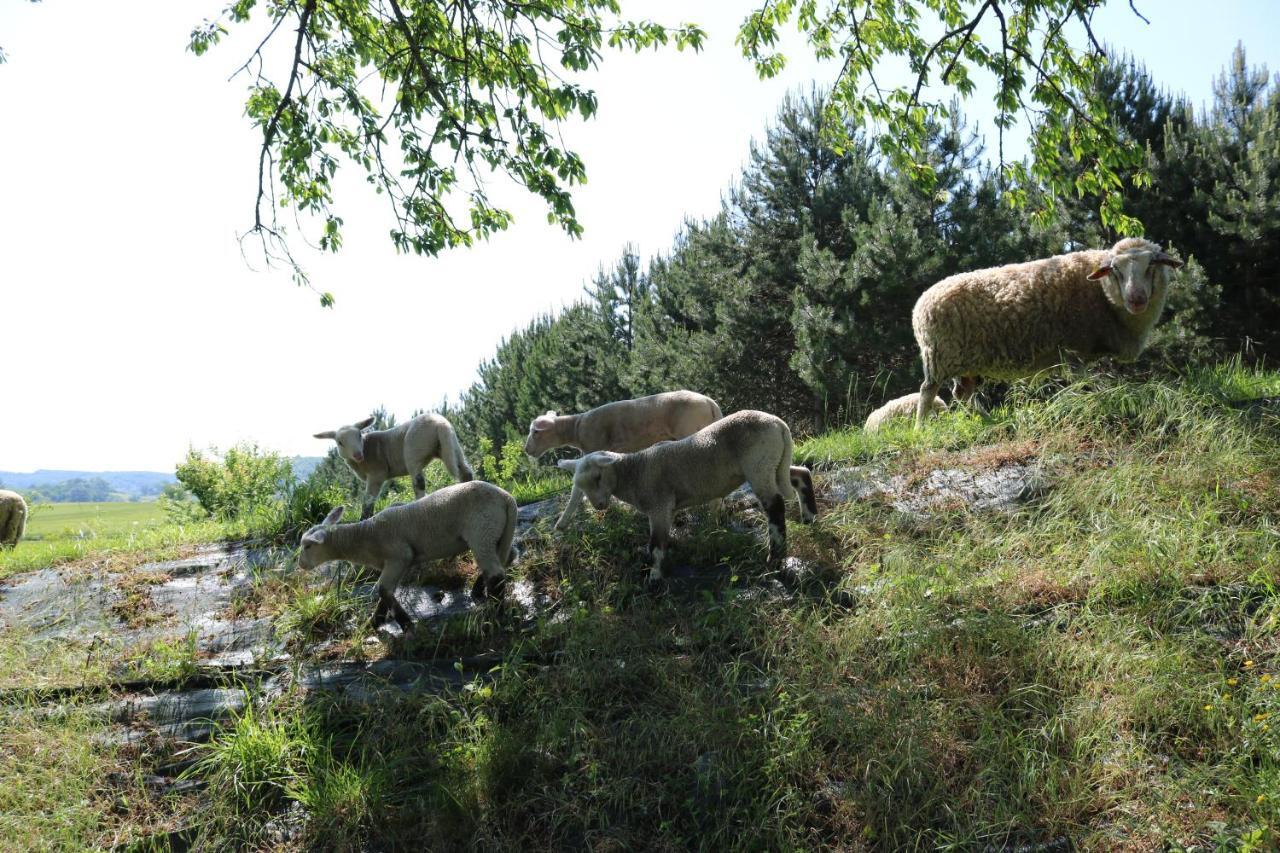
x=195, y=600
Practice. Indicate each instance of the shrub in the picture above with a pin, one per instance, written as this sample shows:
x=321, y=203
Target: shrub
x=243, y=481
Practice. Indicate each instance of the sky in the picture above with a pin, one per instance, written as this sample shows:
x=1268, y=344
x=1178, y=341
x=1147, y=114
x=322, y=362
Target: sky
x=134, y=328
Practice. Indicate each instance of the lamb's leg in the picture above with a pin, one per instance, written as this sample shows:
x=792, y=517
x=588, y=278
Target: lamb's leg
x=924, y=408
x=659, y=538
x=372, y=488
x=419, y=484
x=455, y=461
x=491, y=582
x=571, y=508
x=776, y=510
x=388, y=582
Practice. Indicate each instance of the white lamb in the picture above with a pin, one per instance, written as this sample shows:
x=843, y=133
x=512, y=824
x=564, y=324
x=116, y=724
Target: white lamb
x=13, y=518
x=477, y=516
x=381, y=455
x=902, y=407
x=625, y=426
x=711, y=463
x=1008, y=322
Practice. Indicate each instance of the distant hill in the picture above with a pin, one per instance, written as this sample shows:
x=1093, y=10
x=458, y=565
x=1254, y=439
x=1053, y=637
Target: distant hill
x=128, y=483
x=304, y=465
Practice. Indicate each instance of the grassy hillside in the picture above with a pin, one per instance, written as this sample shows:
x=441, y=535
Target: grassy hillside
x=1099, y=665
x=50, y=522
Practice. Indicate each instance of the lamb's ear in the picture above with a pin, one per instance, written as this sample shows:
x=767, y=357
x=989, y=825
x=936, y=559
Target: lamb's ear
x=315, y=537
x=607, y=459
x=570, y=465
x=1101, y=272
x=326, y=434
x=1166, y=260
x=364, y=424
x=334, y=516
x=546, y=421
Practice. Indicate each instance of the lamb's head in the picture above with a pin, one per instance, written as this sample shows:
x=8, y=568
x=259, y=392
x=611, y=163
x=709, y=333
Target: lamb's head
x=350, y=439
x=540, y=438
x=1136, y=274
x=313, y=550
x=594, y=475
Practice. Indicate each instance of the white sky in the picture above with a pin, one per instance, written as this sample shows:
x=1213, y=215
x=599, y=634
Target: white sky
x=133, y=327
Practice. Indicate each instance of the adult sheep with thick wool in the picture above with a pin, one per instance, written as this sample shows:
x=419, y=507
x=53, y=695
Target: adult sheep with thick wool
x=1008, y=322
x=13, y=518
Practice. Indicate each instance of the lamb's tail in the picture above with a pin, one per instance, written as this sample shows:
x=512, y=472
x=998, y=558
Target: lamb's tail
x=455, y=460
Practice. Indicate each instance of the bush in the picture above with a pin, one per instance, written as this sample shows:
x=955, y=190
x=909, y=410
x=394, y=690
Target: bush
x=245, y=480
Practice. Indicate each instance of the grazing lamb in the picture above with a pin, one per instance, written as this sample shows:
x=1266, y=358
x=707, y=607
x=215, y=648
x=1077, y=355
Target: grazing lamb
x=381, y=455
x=13, y=518
x=1010, y=321
x=625, y=426
x=711, y=463
x=903, y=407
x=478, y=516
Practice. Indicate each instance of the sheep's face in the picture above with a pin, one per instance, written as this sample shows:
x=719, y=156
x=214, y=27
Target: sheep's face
x=1136, y=278
x=313, y=552
x=350, y=439
x=595, y=476
x=540, y=438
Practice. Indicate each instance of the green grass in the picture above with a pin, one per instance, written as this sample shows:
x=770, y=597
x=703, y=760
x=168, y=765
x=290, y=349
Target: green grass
x=50, y=521
x=1100, y=665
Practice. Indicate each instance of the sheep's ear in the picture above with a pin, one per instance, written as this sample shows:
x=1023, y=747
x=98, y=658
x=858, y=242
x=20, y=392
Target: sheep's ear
x=326, y=434
x=546, y=421
x=364, y=424
x=315, y=537
x=1166, y=260
x=570, y=465
x=335, y=515
x=1101, y=272
x=610, y=458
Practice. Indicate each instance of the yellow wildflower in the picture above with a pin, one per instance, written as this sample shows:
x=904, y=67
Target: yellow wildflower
x=1266, y=676
x=1208, y=707
x=1231, y=682
x=1226, y=697
x=1262, y=798
x=1248, y=664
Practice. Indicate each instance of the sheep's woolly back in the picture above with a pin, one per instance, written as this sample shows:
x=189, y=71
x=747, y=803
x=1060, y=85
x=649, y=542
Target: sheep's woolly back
x=1010, y=321
x=13, y=517
x=625, y=426
x=902, y=407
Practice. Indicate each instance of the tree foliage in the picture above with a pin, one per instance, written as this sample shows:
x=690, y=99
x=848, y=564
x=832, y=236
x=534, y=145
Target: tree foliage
x=796, y=297
x=1024, y=46
x=429, y=99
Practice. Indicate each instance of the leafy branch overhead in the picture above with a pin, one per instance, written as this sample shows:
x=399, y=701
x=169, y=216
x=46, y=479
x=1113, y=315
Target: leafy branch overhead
x=429, y=98
x=1024, y=45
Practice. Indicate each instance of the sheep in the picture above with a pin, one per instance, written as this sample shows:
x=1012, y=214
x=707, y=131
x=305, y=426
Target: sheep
x=476, y=515
x=625, y=426
x=747, y=445
x=1008, y=322
x=902, y=407
x=13, y=518
x=381, y=455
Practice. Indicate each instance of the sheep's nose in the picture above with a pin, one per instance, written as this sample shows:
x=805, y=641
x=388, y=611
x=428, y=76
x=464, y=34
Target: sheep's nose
x=358, y=457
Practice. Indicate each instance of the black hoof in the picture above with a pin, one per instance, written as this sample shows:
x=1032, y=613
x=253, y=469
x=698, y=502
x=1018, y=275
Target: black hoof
x=478, y=589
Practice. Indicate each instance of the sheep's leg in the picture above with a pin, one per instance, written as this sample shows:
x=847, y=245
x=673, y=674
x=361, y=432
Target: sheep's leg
x=571, y=508
x=928, y=393
x=388, y=582
x=491, y=582
x=776, y=510
x=419, y=484
x=802, y=482
x=372, y=488
x=659, y=539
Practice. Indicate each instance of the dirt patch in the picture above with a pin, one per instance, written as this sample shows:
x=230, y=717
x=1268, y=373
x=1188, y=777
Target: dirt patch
x=135, y=607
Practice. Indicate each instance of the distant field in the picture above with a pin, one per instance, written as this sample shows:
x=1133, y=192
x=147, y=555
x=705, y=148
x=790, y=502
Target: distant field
x=49, y=522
